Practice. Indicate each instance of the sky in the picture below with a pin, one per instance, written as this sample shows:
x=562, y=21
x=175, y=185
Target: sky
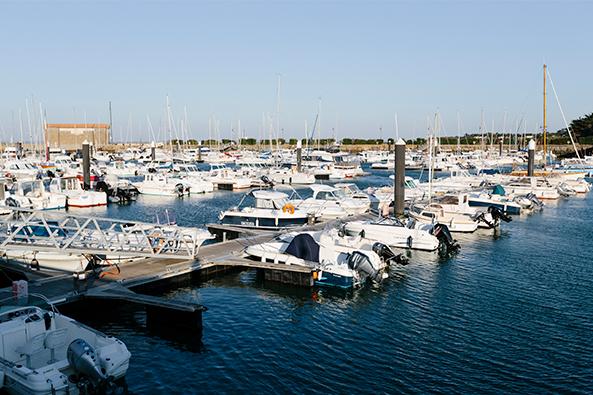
x=361, y=62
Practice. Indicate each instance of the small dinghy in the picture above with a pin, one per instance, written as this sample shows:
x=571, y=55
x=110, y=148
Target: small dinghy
x=45, y=352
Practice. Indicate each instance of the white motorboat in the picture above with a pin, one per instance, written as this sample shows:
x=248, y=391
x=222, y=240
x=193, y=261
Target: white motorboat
x=270, y=210
x=434, y=213
x=45, y=352
x=542, y=189
x=39, y=197
x=60, y=262
x=394, y=233
x=459, y=204
x=21, y=169
x=290, y=176
x=498, y=198
x=352, y=191
x=194, y=178
x=224, y=178
x=326, y=199
x=384, y=195
x=341, y=261
x=120, y=168
x=162, y=185
x=76, y=196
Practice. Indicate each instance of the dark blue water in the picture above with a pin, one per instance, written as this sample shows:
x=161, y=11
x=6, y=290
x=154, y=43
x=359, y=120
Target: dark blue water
x=511, y=313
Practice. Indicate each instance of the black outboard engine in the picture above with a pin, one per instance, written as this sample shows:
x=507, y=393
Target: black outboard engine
x=102, y=186
x=266, y=180
x=179, y=189
x=11, y=202
x=361, y=263
x=388, y=255
x=537, y=204
x=442, y=232
x=498, y=214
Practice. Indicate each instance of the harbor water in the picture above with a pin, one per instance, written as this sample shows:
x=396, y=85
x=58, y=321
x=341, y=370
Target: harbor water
x=510, y=313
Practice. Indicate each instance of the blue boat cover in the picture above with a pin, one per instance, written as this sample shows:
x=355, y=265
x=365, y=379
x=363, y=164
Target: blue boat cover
x=498, y=190
x=305, y=247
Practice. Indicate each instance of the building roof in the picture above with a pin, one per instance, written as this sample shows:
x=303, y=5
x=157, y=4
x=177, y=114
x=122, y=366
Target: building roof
x=79, y=125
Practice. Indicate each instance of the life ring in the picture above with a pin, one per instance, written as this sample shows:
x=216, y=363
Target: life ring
x=289, y=208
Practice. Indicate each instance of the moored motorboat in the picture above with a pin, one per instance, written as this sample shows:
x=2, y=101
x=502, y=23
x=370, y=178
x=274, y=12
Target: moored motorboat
x=46, y=352
x=270, y=210
x=395, y=233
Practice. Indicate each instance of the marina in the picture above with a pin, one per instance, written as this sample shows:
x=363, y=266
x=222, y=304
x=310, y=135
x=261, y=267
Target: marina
x=296, y=198
x=139, y=284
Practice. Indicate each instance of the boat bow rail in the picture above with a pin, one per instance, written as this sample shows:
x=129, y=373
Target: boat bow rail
x=25, y=229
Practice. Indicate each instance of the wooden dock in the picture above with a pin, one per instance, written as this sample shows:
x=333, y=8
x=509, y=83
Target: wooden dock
x=120, y=283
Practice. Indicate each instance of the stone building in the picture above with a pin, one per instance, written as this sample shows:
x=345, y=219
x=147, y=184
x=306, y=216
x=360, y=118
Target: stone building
x=70, y=136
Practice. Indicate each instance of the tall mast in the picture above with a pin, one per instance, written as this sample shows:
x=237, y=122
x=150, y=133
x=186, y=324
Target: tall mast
x=545, y=120
x=278, y=116
x=318, y=122
x=169, y=126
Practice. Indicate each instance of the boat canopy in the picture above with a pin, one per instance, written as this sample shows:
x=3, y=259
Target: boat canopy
x=498, y=190
x=269, y=199
x=269, y=195
x=305, y=247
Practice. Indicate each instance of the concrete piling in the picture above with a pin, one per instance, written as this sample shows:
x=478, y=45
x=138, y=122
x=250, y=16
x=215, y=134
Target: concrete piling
x=400, y=174
x=86, y=165
x=299, y=155
x=530, y=157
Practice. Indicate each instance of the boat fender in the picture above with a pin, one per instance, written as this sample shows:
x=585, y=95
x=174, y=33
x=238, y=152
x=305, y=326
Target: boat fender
x=288, y=208
x=410, y=241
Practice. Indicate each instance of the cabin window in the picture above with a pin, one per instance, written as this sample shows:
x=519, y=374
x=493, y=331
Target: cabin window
x=27, y=188
x=323, y=195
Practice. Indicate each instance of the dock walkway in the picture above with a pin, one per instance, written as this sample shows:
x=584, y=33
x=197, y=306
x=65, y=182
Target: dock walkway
x=118, y=282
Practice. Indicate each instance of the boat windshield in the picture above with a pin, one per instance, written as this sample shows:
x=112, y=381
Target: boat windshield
x=409, y=184
x=340, y=194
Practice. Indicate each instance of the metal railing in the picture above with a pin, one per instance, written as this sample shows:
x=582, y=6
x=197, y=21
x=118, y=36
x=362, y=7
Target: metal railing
x=60, y=232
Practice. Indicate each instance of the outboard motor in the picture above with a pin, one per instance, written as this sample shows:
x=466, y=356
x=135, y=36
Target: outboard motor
x=442, y=232
x=490, y=222
x=537, y=204
x=83, y=359
x=102, y=186
x=11, y=202
x=388, y=255
x=179, y=189
x=497, y=214
x=361, y=263
x=266, y=180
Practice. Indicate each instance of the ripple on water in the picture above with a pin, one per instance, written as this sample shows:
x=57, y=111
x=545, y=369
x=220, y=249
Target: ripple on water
x=508, y=313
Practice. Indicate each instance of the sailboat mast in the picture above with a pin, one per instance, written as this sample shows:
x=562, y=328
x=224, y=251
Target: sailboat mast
x=545, y=120
x=169, y=126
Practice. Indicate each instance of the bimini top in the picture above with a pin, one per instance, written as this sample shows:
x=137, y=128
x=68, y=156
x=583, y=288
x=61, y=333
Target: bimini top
x=322, y=188
x=269, y=195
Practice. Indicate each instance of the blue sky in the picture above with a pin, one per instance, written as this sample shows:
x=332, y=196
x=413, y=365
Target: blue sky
x=366, y=60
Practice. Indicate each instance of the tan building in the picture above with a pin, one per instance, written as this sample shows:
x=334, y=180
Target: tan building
x=70, y=136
